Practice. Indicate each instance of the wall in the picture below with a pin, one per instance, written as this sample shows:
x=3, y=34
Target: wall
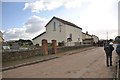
x=55, y=35
x=69, y=48
x=38, y=40
x=51, y=34
x=76, y=33
x=17, y=55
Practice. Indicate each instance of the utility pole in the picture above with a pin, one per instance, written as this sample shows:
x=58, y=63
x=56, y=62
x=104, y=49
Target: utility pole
x=118, y=75
x=107, y=35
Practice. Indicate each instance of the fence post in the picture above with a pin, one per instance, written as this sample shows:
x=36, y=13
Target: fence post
x=45, y=47
x=54, y=46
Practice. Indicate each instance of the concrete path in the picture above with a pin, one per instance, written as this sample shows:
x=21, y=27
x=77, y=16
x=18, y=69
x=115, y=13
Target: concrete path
x=87, y=64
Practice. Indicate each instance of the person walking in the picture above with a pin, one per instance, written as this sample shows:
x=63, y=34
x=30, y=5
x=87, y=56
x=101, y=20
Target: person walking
x=108, y=50
x=118, y=52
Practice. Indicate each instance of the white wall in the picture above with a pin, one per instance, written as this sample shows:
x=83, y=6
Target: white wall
x=76, y=33
x=38, y=40
x=51, y=34
x=55, y=35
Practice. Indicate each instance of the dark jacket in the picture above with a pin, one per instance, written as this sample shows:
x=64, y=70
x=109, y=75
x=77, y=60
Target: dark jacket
x=108, y=49
x=118, y=49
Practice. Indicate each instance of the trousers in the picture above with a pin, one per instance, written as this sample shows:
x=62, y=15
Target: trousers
x=109, y=60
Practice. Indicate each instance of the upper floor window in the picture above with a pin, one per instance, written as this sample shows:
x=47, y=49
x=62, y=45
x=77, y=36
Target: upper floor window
x=54, y=26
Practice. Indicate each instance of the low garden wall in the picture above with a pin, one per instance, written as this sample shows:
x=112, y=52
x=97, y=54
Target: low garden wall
x=68, y=48
x=16, y=55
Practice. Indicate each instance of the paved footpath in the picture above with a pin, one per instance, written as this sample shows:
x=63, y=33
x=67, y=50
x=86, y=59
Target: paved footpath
x=85, y=64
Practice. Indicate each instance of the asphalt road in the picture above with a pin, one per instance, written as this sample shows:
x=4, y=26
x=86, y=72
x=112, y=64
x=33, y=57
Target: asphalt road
x=87, y=64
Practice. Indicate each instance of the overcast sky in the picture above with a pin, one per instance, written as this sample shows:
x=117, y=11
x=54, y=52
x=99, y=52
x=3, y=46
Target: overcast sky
x=25, y=20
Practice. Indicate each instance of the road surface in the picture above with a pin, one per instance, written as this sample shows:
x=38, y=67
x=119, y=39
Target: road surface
x=87, y=64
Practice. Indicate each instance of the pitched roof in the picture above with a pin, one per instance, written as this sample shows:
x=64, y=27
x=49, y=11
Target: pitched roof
x=63, y=21
x=39, y=35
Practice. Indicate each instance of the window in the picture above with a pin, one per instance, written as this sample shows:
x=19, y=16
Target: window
x=54, y=26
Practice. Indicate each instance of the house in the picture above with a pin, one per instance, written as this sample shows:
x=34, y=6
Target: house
x=86, y=38
x=1, y=37
x=89, y=39
x=83, y=36
x=95, y=39
x=62, y=31
x=88, y=35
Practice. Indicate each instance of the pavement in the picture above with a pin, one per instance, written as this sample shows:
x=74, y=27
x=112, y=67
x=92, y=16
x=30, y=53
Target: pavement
x=33, y=60
x=88, y=63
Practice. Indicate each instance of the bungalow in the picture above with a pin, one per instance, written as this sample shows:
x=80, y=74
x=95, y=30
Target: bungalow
x=62, y=31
